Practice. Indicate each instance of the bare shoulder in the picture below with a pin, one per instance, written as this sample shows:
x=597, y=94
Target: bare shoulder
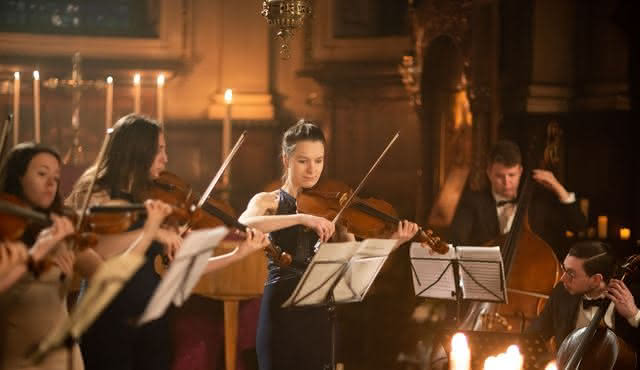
x=264, y=203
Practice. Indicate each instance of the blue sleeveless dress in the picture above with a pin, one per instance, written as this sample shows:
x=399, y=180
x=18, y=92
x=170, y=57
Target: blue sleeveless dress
x=291, y=338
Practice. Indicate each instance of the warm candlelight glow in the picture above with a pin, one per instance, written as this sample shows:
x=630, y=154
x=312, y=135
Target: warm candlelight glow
x=551, y=366
x=136, y=79
x=16, y=107
x=108, y=108
x=160, y=80
x=602, y=226
x=228, y=96
x=510, y=360
x=36, y=106
x=460, y=356
x=625, y=233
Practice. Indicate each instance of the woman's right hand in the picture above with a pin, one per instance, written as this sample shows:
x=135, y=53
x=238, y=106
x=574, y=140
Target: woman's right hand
x=157, y=211
x=323, y=227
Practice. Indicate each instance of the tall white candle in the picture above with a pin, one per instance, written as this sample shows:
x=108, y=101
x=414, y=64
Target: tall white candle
x=108, y=110
x=36, y=106
x=136, y=93
x=16, y=107
x=226, y=134
x=160, y=98
x=460, y=356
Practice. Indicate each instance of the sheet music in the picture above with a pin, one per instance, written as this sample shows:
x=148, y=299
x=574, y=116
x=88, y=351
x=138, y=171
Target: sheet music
x=184, y=272
x=428, y=267
x=354, y=263
x=485, y=265
x=362, y=270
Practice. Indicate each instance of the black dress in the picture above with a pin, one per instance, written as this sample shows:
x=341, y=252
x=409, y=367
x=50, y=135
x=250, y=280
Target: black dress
x=114, y=341
x=291, y=338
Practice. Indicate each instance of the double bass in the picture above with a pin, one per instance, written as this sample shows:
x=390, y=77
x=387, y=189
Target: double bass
x=525, y=255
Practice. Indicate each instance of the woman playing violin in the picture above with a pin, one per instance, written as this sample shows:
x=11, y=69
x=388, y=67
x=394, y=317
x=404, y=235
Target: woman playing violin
x=36, y=302
x=135, y=155
x=295, y=339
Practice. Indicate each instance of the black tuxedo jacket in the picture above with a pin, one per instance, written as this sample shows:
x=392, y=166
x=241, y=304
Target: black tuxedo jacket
x=558, y=319
x=476, y=220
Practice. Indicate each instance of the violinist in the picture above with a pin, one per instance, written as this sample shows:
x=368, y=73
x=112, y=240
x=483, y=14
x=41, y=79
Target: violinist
x=296, y=338
x=12, y=254
x=483, y=216
x=36, y=302
x=136, y=154
x=585, y=282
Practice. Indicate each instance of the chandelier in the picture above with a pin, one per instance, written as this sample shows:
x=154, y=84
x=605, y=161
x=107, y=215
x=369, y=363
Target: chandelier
x=287, y=15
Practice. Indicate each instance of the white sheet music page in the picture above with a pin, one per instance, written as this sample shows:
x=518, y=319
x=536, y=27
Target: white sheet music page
x=319, y=277
x=362, y=269
x=184, y=272
x=432, y=272
x=485, y=265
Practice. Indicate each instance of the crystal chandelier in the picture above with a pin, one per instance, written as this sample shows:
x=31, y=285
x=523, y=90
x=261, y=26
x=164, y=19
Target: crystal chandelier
x=287, y=15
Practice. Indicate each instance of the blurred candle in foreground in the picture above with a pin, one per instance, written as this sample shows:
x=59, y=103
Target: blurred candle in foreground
x=460, y=356
x=625, y=233
x=551, y=366
x=16, y=107
x=510, y=360
x=602, y=226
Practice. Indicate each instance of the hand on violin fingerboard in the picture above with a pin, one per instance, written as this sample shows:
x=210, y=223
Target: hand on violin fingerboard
x=406, y=230
x=11, y=255
x=255, y=240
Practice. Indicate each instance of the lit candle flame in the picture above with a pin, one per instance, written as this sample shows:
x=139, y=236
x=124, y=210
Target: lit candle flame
x=160, y=79
x=110, y=80
x=36, y=75
x=551, y=366
x=136, y=79
x=460, y=356
x=228, y=96
x=16, y=75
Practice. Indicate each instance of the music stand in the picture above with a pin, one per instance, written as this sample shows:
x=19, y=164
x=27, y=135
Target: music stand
x=340, y=273
x=184, y=272
x=463, y=273
x=104, y=285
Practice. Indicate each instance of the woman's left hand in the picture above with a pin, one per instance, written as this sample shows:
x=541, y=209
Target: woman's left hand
x=254, y=241
x=406, y=230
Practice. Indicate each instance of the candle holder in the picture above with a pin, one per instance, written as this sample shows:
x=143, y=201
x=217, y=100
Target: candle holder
x=288, y=15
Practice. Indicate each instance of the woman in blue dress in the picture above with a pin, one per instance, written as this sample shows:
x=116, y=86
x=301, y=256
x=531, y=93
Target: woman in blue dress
x=297, y=338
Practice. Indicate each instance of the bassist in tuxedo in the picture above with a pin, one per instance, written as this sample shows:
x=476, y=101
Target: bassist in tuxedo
x=483, y=216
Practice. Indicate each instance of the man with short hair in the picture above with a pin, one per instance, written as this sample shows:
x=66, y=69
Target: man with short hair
x=483, y=216
x=586, y=282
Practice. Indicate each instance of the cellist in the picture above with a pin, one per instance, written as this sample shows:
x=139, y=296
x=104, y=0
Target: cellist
x=483, y=216
x=585, y=282
x=296, y=338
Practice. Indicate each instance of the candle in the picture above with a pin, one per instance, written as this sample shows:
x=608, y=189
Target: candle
x=16, y=107
x=226, y=134
x=160, y=98
x=584, y=207
x=108, y=109
x=625, y=233
x=510, y=360
x=602, y=227
x=551, y=366
x=460, y=356
x=136, y=93
x=36, y=106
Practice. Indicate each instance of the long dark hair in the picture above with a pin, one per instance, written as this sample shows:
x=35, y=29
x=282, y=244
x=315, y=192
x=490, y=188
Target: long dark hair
x=301, y=131
x=15, y=166
x=132, y=148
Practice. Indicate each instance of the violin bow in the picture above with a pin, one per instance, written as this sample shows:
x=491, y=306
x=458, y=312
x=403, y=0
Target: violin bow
x=221, y=170
x=87, y=197
x=4, y=135
x=360, y=185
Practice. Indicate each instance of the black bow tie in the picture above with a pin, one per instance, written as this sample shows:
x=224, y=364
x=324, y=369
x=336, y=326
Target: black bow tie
x=501, y=203
x=587, y=303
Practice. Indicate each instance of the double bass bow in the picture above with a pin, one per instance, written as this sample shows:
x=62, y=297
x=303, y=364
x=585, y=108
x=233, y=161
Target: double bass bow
x=597, y=347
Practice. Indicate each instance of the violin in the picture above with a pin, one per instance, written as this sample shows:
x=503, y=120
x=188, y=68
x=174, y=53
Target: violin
x=174, y=191
x=365, y=218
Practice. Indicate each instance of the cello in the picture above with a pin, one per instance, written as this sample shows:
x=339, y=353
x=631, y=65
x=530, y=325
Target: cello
x=524, y=255
x=596, y=346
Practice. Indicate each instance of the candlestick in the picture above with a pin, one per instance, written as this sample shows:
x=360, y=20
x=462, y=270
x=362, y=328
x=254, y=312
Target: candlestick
x=36, y=106
x=160, y=98
x=16, y=107
x=136, y=93
x=602, y=226
x=108, y=109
